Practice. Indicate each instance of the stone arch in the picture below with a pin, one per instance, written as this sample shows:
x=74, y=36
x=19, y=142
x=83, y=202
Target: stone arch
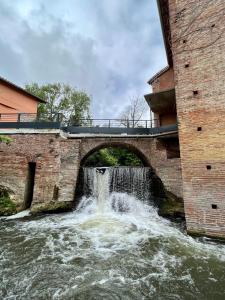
x=87, y=151
x=142, y=147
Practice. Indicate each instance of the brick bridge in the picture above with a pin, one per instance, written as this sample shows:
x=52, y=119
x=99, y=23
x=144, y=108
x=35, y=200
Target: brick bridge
x=48, y=162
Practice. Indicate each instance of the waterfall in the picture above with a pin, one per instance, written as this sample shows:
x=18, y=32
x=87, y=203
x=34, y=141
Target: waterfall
x=108, y=186
x=133, y=181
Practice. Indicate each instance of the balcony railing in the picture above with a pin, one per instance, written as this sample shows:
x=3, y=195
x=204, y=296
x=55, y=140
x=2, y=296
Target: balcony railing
x=29, y=117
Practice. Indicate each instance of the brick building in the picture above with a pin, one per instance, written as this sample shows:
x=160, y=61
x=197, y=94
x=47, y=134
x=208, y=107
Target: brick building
x=193, y=88
x=14, y=100
x=162, y=101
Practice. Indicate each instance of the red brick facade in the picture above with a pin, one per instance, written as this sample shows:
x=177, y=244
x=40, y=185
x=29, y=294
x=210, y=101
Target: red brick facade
x=198, y=46
x=165, y=81
x=58, y=161
x=55, y=162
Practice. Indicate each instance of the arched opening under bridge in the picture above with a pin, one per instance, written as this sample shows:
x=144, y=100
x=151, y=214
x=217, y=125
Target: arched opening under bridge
x=126, y=163
x=115, y=148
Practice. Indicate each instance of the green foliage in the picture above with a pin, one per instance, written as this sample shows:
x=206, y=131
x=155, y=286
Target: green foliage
x=101, y=158
x=125, y=157
x=73, y=104
x=5, y=139
x=7, y=207
x=113, y=157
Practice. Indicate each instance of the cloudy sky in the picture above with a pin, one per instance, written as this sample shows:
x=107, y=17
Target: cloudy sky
x=109, y=48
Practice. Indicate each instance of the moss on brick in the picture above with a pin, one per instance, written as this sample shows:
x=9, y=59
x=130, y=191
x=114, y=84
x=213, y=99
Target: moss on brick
x=51, y=207
x=197, y=233
x=5, y=139
x=7, y=207
x=171, y=206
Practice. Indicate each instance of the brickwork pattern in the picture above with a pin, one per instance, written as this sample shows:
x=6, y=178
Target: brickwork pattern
x=58, y=162
x=152, y=152
x=198, y=44
x=164, y=81
x=56, y=167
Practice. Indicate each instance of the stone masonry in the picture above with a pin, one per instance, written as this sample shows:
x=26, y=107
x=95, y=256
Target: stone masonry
x=56, y=168
x=58, y=161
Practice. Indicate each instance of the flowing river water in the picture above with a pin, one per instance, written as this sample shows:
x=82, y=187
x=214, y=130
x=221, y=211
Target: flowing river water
x=113, y=246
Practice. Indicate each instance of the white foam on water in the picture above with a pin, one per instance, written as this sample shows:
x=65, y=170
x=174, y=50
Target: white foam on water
x=121, y=229
x=22, y=214
x=125, y=223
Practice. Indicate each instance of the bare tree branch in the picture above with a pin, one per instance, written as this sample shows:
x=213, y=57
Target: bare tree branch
x=133, y=113
x=204, y=25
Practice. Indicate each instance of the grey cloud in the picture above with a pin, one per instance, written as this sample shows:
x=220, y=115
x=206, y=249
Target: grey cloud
x=111, y=56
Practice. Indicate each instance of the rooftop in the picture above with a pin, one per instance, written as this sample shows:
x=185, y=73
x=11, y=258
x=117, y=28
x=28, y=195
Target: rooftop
x=152, y=79
x=163, y=7
x=21, y=90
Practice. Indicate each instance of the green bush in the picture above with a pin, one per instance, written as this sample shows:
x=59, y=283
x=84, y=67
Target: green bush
x=7, y=207
x=5, y=139
x=114, y=157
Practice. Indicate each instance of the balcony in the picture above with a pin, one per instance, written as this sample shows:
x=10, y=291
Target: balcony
x=162, y=102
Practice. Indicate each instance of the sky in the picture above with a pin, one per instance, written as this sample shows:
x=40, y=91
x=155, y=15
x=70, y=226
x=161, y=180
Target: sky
x=108, y=48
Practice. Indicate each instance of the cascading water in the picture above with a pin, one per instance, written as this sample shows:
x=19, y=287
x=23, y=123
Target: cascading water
x=113, y=246
x=111, y=187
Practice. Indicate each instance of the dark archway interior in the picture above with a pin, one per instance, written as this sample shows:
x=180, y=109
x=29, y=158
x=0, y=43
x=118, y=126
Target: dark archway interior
x=118, y=151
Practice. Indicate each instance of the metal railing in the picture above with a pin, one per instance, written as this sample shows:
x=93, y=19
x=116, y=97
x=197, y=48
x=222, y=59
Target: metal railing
x=87, y=122
x=29, y=117
x=114, y=123
x=84, y=126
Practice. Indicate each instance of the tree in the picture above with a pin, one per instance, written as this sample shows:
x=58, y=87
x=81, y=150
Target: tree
x=113, y=157
x=125, y=157
x=133, y=112
x=72, y=104
x=101, y=158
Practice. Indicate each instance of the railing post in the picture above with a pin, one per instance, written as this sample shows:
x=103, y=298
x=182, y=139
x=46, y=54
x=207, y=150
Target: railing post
x=18, y=117
x=58, y=117
x=146, y=124
x=109, y=123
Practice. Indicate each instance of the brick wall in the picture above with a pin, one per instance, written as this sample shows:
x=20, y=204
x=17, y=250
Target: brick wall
x=164, y=81
x=57, y=165
x=152, y=151
x=198, y=43
x=58, y=162
x=167, y=119
x=168, y=170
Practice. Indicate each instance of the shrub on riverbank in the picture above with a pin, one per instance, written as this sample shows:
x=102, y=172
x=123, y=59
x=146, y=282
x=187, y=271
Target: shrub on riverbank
x=5, y=139
x=7, y=207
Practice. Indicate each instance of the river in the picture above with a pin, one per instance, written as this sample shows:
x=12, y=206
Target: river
x=113, y=246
